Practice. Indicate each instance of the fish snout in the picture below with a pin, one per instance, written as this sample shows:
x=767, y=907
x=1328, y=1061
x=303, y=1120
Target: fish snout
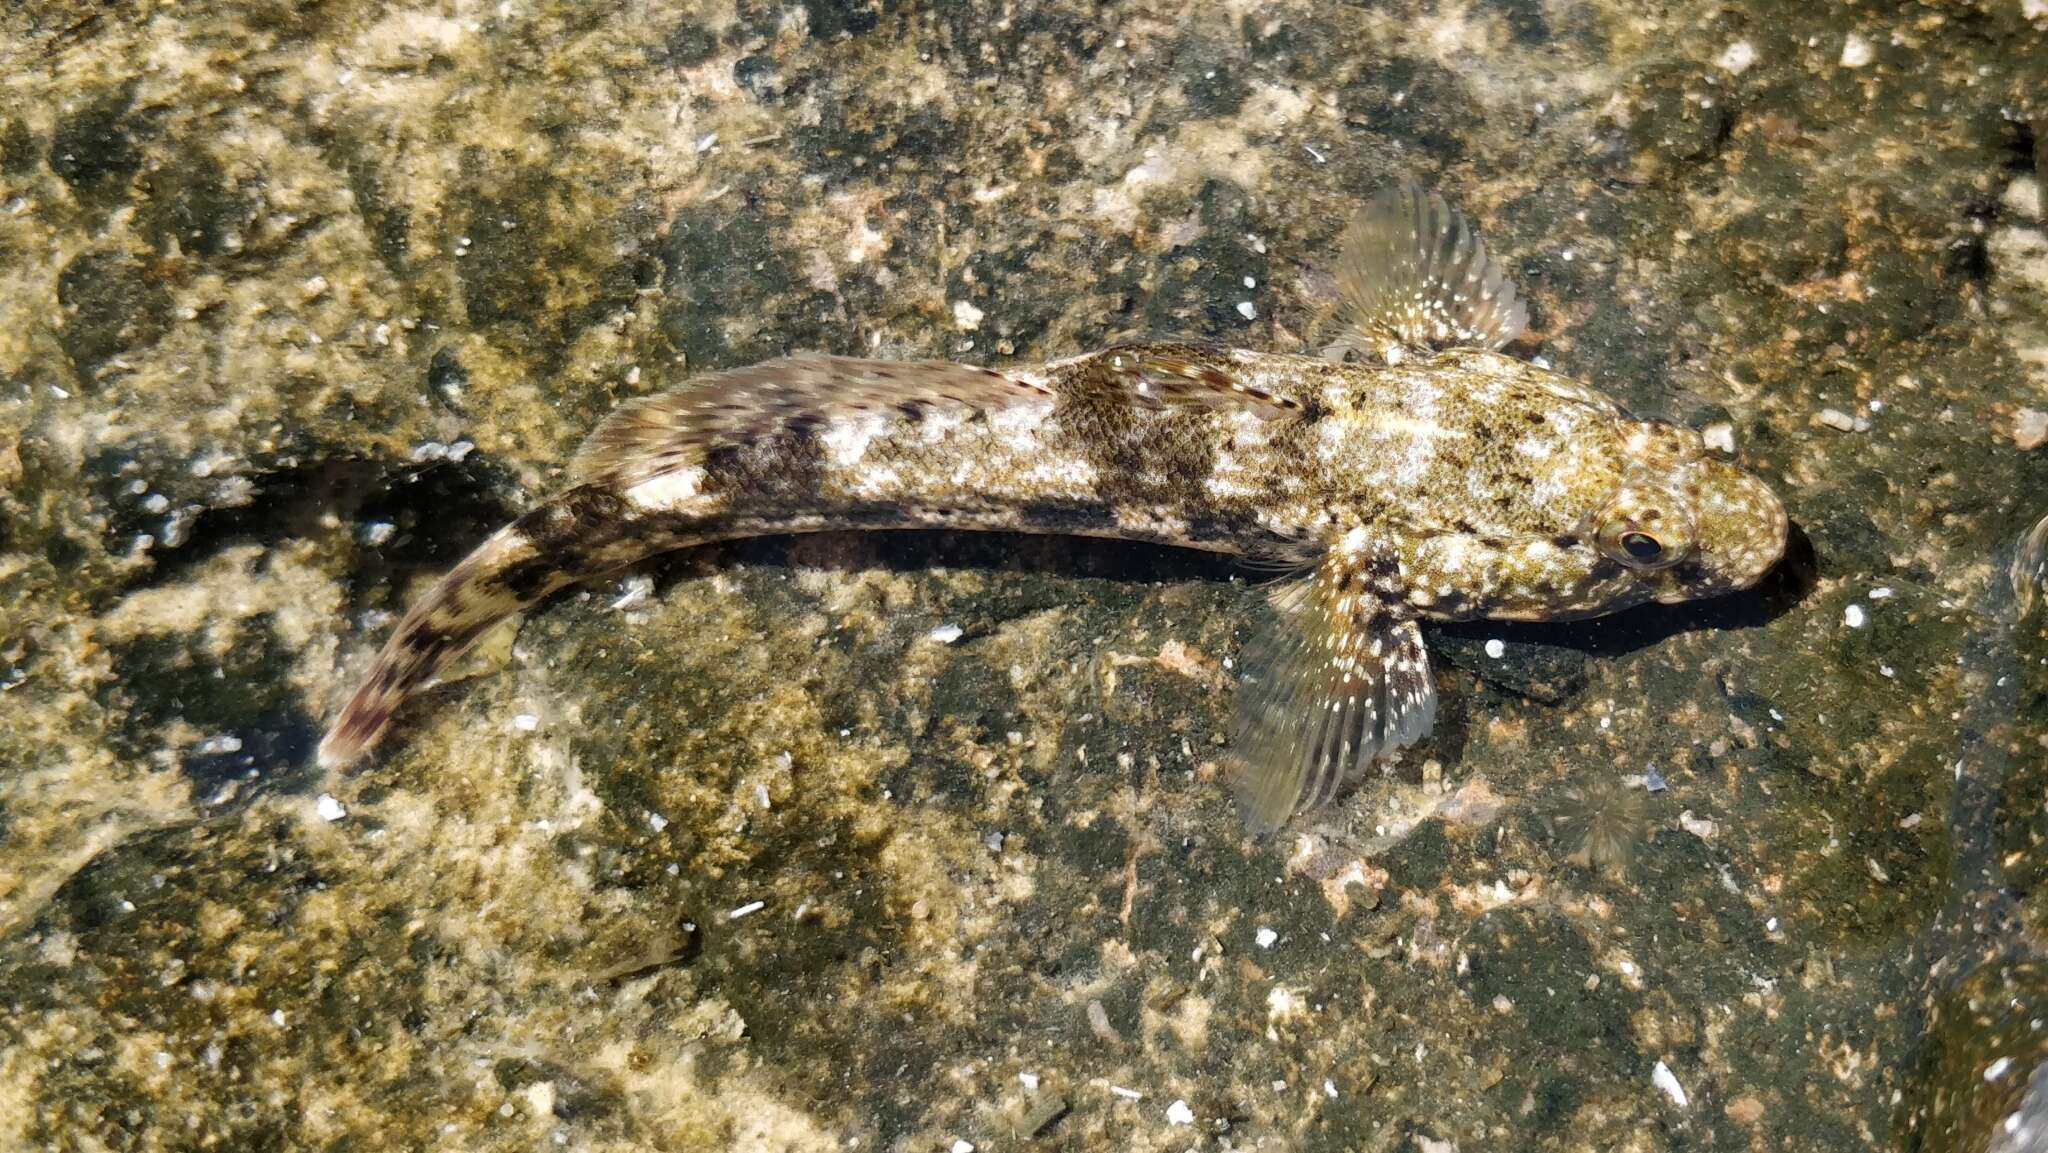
x=1742, y=529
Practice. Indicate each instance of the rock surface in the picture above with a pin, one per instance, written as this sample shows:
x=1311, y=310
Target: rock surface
x=298, y=301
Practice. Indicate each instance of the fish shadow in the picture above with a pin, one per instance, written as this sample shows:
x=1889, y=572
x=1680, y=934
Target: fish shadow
x=905, y=551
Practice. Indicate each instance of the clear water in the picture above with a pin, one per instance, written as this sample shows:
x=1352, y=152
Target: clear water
x=907, y=842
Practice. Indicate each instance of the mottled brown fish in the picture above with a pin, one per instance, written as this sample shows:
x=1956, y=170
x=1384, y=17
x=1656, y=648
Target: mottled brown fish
x=1432, y=478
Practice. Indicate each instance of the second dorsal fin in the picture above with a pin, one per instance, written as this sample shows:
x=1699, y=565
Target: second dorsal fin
x=1415, y=275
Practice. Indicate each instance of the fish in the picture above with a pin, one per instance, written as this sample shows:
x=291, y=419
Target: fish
x=1410, y=472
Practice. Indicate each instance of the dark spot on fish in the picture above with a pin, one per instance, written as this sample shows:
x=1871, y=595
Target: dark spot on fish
x=1073, y=515
x=526, y=579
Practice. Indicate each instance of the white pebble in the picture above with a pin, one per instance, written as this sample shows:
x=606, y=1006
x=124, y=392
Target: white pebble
x=1853, y=616
x=1836, y=419
x=313, y=289
x=966, y=317
x=1496, y=648
x=963, y=1147
x=656, y=821
x=747, y=909
x=1856, y=51
x=328, y=809
x=1737, y=58
x=377, y=532
x=1029, y=1081
x=1719, y=436
x=1265, y=937
x=1664, y=1079
x=1178, y=1113
x=526, y=722
x=945, y=634
x=1881, y=592
x=1996, y=1069
x=1126, y=1094
x=1248, y=310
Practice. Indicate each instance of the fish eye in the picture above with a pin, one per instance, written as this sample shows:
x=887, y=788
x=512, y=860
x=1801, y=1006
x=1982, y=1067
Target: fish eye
x=1644, y=534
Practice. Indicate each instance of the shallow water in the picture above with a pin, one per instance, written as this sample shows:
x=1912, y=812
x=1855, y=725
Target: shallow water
x=909, y=842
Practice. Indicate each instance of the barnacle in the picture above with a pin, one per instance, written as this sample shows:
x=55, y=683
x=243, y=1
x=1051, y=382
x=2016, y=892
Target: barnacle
x=1606, y=822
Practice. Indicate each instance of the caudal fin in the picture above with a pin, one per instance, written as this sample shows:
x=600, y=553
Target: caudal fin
x=581, y=534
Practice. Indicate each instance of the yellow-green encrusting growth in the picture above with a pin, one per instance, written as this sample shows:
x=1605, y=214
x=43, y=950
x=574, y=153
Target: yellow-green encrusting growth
x=1433, y=477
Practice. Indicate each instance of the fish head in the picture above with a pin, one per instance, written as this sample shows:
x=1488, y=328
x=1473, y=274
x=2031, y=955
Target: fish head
x=1684, y=524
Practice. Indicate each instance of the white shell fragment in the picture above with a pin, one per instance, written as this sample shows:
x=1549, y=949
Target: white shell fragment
x=1663, y=1078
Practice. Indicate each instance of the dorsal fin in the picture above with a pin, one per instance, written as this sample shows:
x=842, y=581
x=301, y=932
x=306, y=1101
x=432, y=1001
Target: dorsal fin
x=653, y=435
x=1415, y=275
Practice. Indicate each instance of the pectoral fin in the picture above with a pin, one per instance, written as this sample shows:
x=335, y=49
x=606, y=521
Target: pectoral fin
x=1333, y=679
x=1415, y=275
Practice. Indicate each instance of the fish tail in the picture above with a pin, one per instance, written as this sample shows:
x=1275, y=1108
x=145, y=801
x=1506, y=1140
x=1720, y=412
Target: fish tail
x=583, y=533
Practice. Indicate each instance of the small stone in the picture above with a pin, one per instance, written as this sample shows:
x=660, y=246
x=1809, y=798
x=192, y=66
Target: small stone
x=526, y=722
x=1836, y=419
x=1496, y=648
x=1857, y=52
x=966, y=317
x=2029, y=429
x=1737, y=58
x=1043, y=1116
x=1265, y=937
x=313, y=289
x=945, y=634
x=1248, y=310
x=963, y=1147
x=1745, y=1110
x=1178, y=1113
x=1853, y=616
x=2023, y=197
x=1029, y=1081
x=1719, y=436
x=328, y=809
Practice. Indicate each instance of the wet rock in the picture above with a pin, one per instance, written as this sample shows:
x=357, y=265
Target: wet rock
x=97, y=144
x=1675, y=120
x=192, y=204
x=1980, y=1082
x=18, y=149
x=113, y=303
x=1549, y=673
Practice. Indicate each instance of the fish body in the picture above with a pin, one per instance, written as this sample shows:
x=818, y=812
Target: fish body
x=1413, y=483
